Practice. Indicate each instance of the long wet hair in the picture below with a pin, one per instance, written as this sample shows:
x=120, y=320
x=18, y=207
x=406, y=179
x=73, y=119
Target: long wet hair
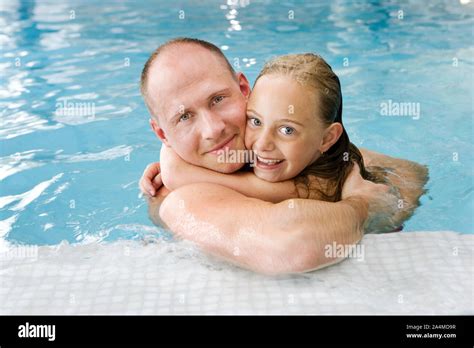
x=325, y=177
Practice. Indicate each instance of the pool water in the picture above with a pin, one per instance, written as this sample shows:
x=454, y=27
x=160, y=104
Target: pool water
x=73, y=175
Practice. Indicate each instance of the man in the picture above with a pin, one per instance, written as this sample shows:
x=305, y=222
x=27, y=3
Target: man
x=198, y=106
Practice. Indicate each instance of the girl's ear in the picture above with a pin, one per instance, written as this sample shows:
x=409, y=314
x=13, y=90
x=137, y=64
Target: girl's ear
x=331, y=136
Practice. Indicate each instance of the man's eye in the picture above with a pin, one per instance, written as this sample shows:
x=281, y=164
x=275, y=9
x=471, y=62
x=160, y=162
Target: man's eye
x=255, y=121
x=287, y=130
x=217, y=99
x=184, y=117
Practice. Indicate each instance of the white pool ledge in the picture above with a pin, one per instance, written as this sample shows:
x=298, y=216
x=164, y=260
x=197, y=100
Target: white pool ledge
x=402, y=273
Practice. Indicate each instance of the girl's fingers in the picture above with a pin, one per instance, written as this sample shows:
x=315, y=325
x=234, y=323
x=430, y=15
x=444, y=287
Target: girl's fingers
x=157, y=182
x=146, y=187
x=146, y=182
x=150, y=188
x=152, y=170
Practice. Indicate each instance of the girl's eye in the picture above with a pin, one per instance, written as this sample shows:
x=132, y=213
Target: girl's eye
x=255, y=121
x=217, y=99
x=287, y=130
x=184, y=117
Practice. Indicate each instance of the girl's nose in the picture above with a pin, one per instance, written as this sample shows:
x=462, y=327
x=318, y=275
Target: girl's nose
x=264, y=143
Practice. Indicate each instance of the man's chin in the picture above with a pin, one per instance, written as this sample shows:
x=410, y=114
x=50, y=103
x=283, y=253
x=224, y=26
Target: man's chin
x=227, y=168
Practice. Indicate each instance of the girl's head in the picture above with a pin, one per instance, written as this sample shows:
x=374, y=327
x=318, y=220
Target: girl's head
x=294, y=123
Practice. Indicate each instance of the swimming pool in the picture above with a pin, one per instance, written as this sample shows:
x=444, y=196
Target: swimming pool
x=73, y=175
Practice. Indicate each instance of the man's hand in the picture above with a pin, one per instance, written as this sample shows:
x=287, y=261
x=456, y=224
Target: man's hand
x=383, y=213
x=355, y=185
x=408, y=177
x=150, y=181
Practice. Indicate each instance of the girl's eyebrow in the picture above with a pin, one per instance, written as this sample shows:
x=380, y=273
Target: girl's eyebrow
x=280, y=119
x=292, y=121
x=254, y=112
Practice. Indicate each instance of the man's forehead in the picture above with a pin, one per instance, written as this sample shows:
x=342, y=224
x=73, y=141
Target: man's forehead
x=185, y=80
x=190, y=95
x=183, y=62
x=186, y=52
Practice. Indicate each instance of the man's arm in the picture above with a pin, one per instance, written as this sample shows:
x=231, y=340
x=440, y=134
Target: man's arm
x=175, y=173
x=154, y=204
x=291, y=236
x=407, y=176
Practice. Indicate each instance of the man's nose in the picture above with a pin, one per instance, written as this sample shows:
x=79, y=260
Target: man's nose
x=264, y=142
x=212, y=125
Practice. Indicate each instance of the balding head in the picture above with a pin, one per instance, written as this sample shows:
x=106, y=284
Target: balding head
x=197, y=101
x=172, y=52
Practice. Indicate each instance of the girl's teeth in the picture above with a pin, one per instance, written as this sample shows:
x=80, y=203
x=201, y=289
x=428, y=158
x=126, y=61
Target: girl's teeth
x=268, y=161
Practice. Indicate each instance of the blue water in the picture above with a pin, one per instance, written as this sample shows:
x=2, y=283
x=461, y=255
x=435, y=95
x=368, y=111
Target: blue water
x=74, y=177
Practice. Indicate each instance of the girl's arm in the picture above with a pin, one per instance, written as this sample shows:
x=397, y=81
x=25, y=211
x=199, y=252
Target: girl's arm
x=175, y=173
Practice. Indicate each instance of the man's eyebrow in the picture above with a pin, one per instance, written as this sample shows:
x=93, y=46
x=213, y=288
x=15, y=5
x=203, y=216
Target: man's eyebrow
x=280, y=119
x=212, y=95
x=178, y=113
x=221, y=91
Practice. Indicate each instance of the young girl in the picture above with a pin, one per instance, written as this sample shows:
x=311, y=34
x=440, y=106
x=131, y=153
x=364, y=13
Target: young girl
x=299, y=134
x=294, y=132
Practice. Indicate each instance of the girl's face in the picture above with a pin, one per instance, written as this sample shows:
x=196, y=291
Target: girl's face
x=283, y=127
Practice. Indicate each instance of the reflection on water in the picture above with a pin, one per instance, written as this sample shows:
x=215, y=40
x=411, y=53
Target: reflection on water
x=75, y=134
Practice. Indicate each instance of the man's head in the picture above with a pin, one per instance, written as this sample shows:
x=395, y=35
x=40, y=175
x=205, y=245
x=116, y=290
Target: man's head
x=196, y=100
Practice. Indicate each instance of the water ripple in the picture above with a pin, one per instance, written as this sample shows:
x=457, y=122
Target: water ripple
x=110, y=154
x=94, y=55
x=27, y=197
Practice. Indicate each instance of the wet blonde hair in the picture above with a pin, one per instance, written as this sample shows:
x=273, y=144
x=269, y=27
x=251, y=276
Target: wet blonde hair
x=325, y=177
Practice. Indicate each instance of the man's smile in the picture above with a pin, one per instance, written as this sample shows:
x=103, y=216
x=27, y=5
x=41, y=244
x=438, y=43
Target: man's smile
x=227, y=144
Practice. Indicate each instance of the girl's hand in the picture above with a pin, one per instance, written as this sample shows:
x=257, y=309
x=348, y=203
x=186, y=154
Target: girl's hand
x=150, y=181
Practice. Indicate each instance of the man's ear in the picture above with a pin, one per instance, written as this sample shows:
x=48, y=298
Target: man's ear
x=158, y=131
x=243, y=84
x=331, y=136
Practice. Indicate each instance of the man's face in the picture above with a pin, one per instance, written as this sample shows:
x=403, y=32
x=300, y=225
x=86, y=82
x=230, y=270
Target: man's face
x=200, y=106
